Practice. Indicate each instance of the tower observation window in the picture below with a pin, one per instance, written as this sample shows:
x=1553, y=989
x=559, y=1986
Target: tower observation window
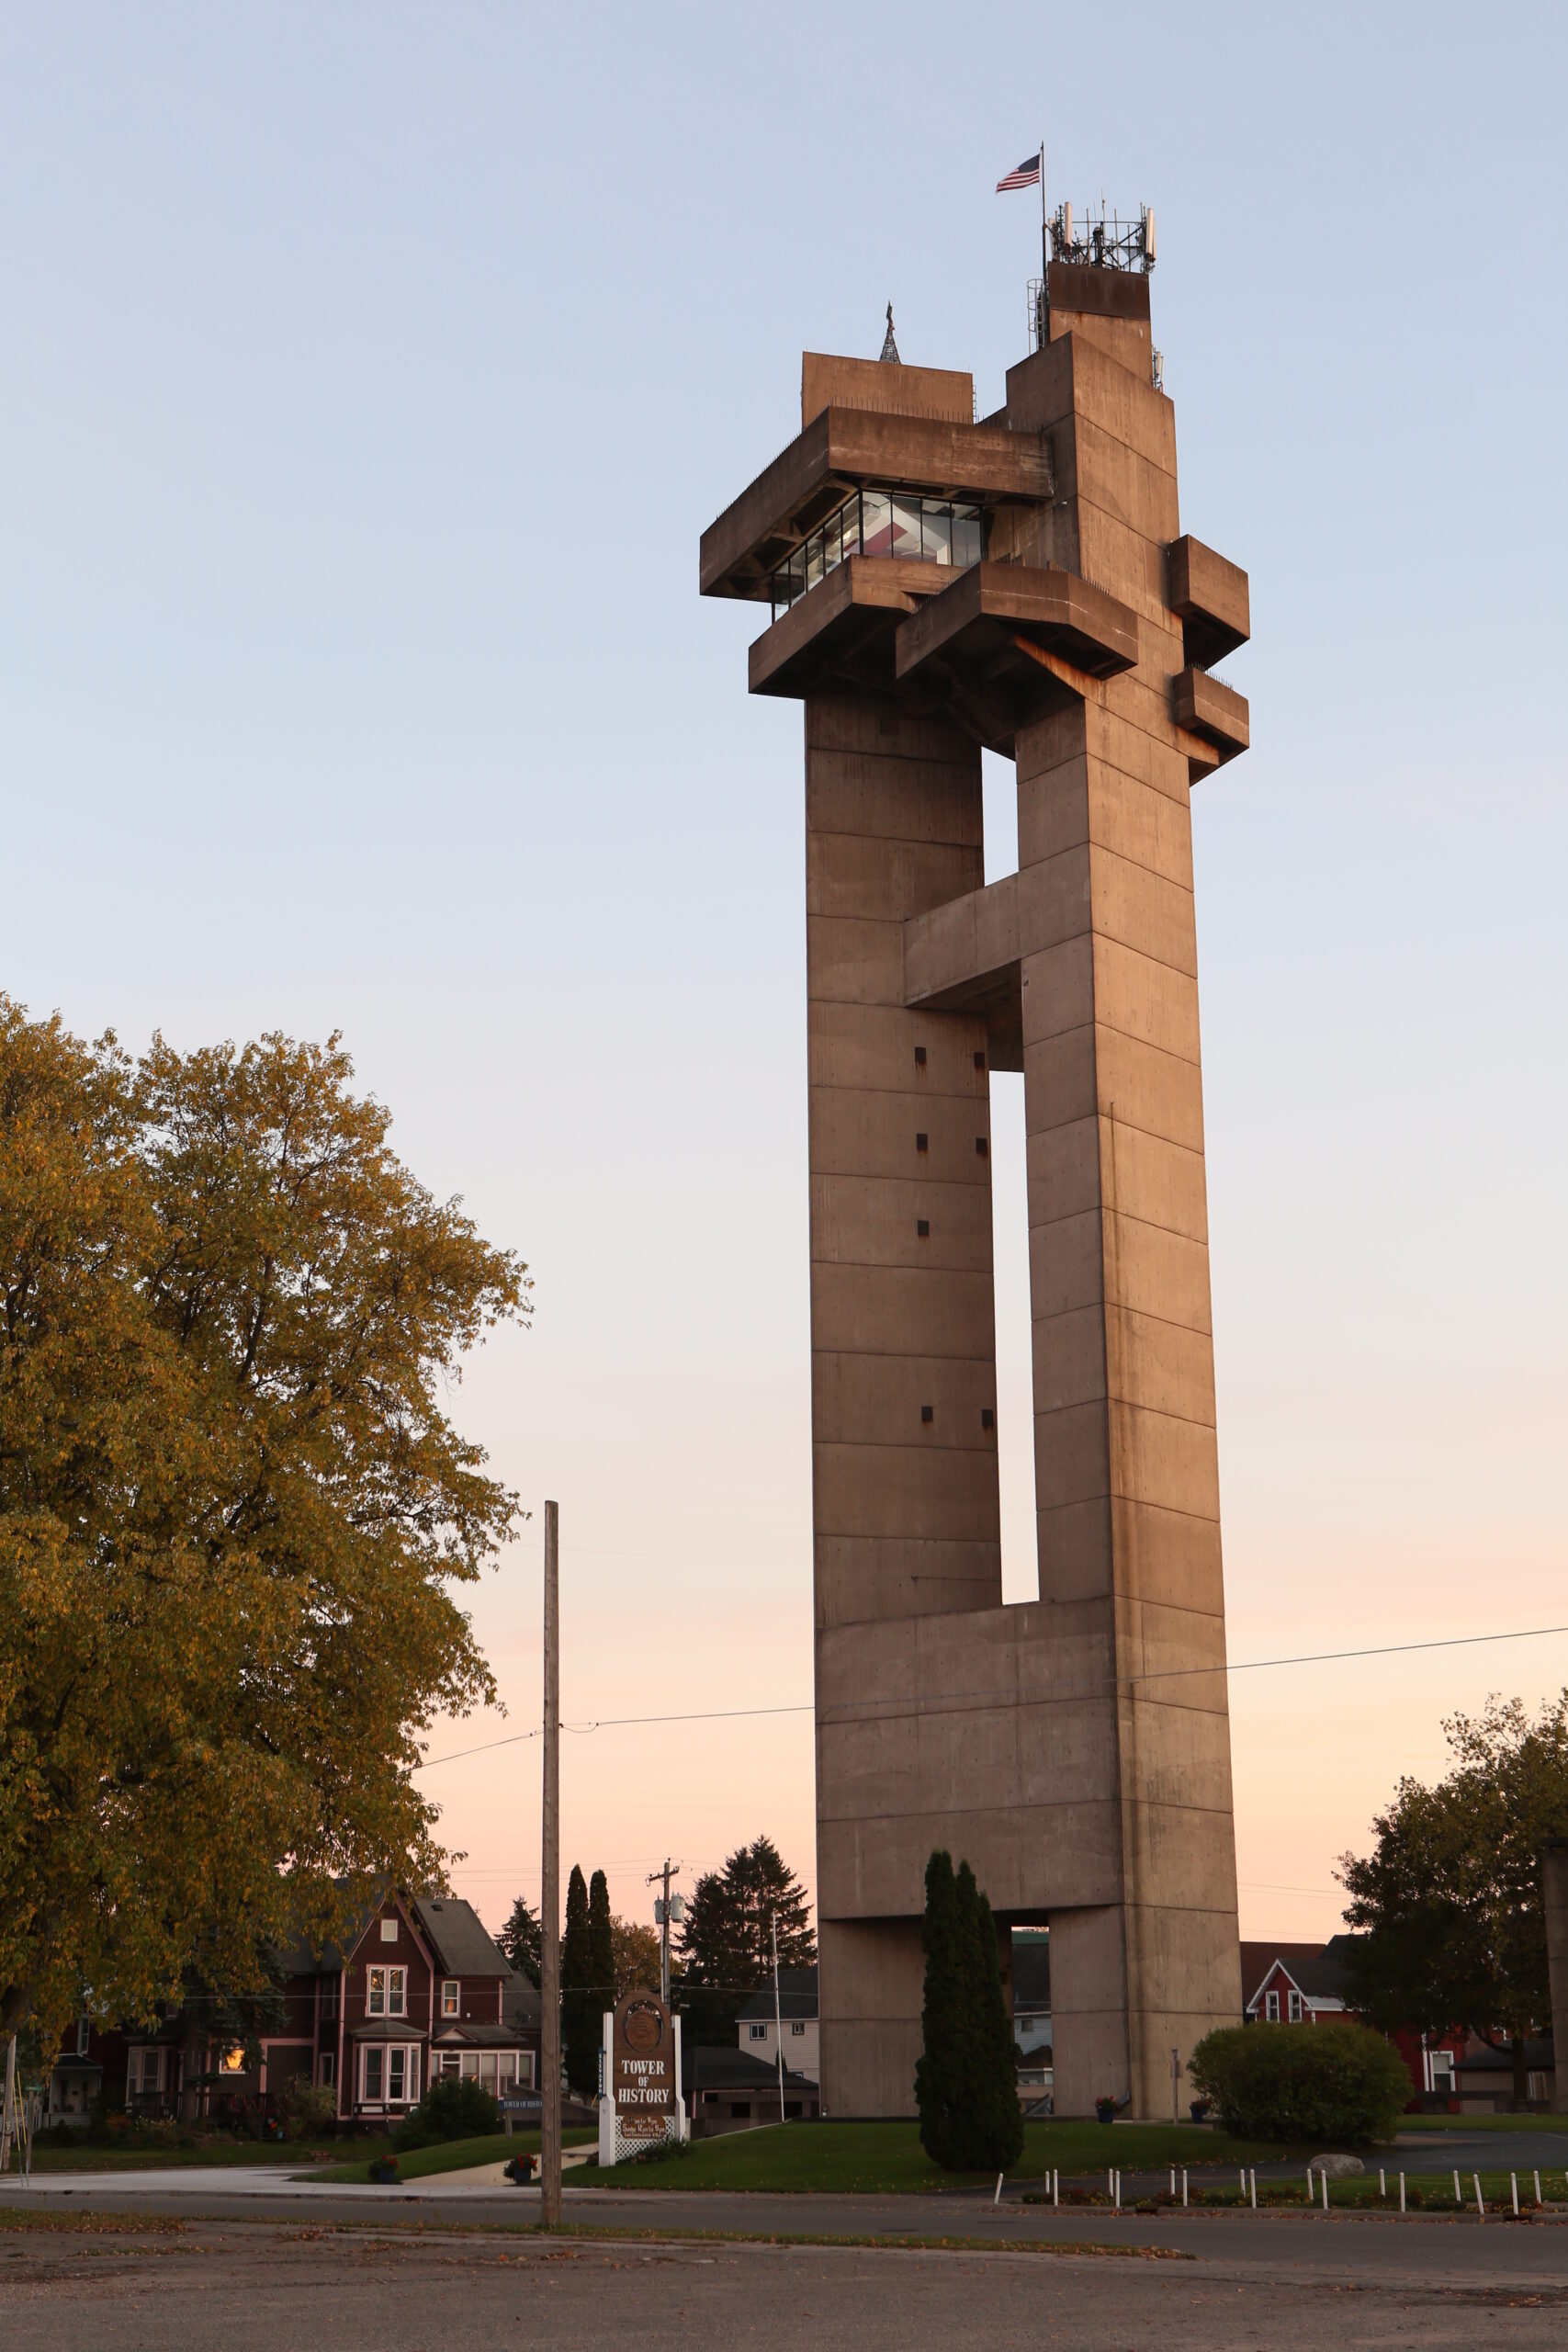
x=879, y=522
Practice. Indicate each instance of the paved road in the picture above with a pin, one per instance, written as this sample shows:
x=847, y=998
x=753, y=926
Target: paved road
x=1268, y=2284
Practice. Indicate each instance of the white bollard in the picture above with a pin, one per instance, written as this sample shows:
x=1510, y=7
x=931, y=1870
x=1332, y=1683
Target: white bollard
x=1480, y=2200
x=997, y=2197
x=1383, y=2180
x=1173, y=2182
x=1252, y=2178
x=1402, y=2193
x=1119, y=2189
x=1538, y=2195
x=1514, y=2185
x=1458, y=2193
x=1184, y=2188
x=1056, y=2187
x=1324, y=2177
x=1242, y=2169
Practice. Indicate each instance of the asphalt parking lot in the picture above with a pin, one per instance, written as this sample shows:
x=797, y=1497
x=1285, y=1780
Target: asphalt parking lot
x=142, y=2282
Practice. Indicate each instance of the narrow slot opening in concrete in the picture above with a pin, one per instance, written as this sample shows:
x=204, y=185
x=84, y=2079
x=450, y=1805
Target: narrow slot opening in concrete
x=998, y=798
x=1015, y=1380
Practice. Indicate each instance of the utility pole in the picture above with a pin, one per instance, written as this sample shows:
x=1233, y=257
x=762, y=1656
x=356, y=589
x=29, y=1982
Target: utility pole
x=549, y=1896
x=778, y=2014
x=671, y=1870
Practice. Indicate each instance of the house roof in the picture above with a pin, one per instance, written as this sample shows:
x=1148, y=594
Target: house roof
x=737, y=2070
x=797, y=1995
x=459, y=1937
x=1030, y=1976
x=1257, y=1960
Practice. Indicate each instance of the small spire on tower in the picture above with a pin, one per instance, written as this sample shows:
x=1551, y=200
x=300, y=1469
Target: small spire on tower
x=889, y=348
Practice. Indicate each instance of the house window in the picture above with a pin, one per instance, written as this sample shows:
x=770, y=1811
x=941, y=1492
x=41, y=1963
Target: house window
x=326, y=2071
x=525, y=2069
x=387, y=1992
x=450, y=1992
x=1295, y=2008
x=83, y=2028
x=1271, y=2007
x=388, y=1931
x=797, y=2026
x=397, y=2073
x=1439, y=2070
x=373, y=2059
x=758, y=2033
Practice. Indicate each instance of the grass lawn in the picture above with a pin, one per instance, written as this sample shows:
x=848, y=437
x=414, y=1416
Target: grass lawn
x=450, y=2155
x=880, y=2158
x=105, y=2156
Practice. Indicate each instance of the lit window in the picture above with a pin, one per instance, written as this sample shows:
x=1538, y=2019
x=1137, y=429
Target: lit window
x=1295, y=2008
x=376, y=1993
x=233, y=2062
x=397, y=1988
x=758, y=2033
x=1271, y=2007
x=450, y=1991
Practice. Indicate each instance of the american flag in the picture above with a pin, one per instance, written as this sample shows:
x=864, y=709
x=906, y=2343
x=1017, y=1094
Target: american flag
x=1025, y=174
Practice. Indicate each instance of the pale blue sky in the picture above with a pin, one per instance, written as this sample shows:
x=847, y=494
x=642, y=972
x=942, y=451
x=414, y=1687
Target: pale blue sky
x=369, y=374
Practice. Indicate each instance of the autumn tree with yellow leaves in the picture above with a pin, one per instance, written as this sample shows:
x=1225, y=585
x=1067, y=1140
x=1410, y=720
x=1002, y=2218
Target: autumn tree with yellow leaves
x=234, y=1511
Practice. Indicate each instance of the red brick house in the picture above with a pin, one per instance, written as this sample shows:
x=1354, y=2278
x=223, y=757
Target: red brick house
x=421, y=1990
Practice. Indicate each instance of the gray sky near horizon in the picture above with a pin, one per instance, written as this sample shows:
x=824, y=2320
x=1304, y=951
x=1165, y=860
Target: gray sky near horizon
x=369, y=376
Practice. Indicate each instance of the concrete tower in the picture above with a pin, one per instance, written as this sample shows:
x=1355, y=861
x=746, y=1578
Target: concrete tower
x=1021, y=584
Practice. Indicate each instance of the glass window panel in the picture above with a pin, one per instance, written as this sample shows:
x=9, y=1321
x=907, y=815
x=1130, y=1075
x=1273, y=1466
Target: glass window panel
x=487, y=2070
x=813, y=560
x=399, y=1978
x=469, y=2061
x=525, y=2074
x=876, y=523
x=373, y=2073
x=378, y=2001
x=965, y=534
x=396, y=2072
x=506, y=2069
x=906, y=534
x=832, y=546
x=852, y=526
x=936, y=534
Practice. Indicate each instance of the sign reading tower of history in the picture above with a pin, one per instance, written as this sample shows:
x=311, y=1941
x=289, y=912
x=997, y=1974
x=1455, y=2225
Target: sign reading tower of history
x=642, y=2077
x=933, y=587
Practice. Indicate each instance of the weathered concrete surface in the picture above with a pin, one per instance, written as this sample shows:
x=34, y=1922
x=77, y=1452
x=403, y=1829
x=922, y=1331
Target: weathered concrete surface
x=1075, y=1749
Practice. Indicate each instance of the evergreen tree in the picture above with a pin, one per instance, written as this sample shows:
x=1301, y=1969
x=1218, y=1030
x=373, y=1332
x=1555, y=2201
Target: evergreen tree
x=965, y=2083
x=946, y=2062
x=579, y=2010
x=725, y=1953
x=998, y=2115
x=519, y=1940
x=601, y=1947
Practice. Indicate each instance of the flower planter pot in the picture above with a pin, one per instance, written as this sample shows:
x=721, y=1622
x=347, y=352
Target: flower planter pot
x=384, y=2171
x=1105, y=2109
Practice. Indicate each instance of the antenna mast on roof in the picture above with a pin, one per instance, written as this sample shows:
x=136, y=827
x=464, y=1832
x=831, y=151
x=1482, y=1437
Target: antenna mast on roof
x=889, y=348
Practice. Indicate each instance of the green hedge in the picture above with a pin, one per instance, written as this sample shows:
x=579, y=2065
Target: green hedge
x=1302, y=2083
x=454, y=2108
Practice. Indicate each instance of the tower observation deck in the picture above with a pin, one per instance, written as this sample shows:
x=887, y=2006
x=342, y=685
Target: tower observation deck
x=933, y=585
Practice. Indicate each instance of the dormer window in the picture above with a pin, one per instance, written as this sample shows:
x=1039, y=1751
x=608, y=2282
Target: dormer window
x=451, y=1998
x=1271, y=2007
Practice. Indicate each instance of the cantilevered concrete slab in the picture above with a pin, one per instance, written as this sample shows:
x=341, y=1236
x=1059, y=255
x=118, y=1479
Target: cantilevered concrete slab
x=1075, y=1748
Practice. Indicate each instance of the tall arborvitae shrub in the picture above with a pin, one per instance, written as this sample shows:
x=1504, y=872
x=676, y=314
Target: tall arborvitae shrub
x=965, y=2083
x=999, y=2118
x=946, y=2061
x=600, y=1946
x=580, y=2012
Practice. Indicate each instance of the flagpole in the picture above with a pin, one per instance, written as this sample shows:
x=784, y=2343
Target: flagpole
x=1044, y=254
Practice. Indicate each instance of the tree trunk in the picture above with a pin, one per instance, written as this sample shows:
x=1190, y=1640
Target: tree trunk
x=190, y=2069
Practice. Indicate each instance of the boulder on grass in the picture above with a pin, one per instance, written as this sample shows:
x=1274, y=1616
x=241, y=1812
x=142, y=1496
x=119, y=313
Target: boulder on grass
x=1337, y=2167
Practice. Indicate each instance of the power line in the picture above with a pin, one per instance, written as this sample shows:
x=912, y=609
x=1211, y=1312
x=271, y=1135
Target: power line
x=974, y=1698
